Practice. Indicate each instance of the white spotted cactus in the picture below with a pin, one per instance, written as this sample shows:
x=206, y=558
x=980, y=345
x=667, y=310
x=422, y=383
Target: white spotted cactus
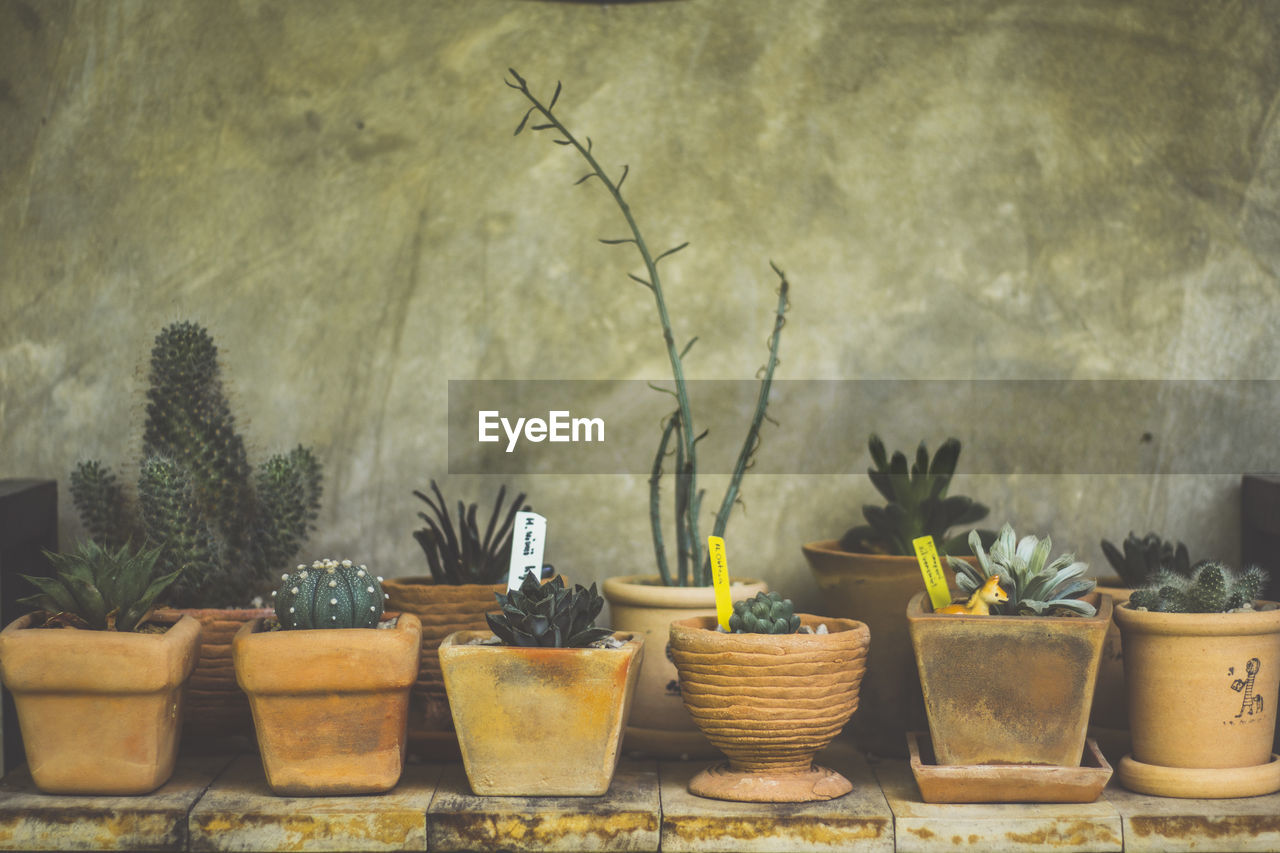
x=329, y=594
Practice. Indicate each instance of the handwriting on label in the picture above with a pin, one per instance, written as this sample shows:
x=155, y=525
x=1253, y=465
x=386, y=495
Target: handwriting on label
x=528, y=539
x=931, y=567
x=720, y=580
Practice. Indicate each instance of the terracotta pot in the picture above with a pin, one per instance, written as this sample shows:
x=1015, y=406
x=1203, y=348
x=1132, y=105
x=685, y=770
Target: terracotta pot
x=539, y=722
x=874, y=589
x=1008, y=689
x=642, y=605
x=100, y=711
x=216, y=706
x=1202, y=697
x=330, y=705
x=1109, y=719
x=770, y=702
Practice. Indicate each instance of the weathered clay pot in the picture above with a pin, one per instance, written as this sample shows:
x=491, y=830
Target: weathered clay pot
x=874, y=589
x=642, y=605
x=1202, y=702
x=100, y=711
x=770, y=702
x=1008, y=689
x=539, y=722
x=330, y=705
x=442, y=609
x=1109, y=719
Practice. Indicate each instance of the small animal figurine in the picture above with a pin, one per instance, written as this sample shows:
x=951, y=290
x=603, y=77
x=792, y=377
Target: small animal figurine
x=979, y=604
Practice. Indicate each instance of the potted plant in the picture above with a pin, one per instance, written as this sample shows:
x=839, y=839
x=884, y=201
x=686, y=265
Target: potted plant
x=770, y=693
x=645, y=603
x=1013, y=687
x=540, y=703
x=329, y=682
x=226, y=527
x=1202, y=663
x=96, y=678
x=871, y=572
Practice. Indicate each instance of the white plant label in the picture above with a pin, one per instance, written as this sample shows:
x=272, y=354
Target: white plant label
x=528, y=540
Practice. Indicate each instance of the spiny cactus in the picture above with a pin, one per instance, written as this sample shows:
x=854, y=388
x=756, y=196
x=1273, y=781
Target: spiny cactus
x=459, y=555
x=1034, y=585
x=99, y=588
x=548, y=614
x=223, y=527
x=918, y=503
x=767, y=613
x=1146, y=556
x=1210, y=587
x=329, y=594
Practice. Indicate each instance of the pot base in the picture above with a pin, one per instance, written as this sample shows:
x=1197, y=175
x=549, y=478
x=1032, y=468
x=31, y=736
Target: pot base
x=1198, y=782
x=720, y=782
x=667, y=745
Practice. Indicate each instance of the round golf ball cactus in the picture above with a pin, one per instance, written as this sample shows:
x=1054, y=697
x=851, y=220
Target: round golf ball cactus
x=329, y=594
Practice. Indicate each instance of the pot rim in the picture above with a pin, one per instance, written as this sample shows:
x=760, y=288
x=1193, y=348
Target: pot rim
x=699, y=631
x=1200, y=624
x=427, y=580
x=916, y=611
x=163, y=617
x=461, y=640
x=649, y=591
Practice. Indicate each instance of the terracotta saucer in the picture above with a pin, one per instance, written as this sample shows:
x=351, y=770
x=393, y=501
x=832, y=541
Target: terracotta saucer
x=1006, y=783
x=1200, y=783
x=721, y=782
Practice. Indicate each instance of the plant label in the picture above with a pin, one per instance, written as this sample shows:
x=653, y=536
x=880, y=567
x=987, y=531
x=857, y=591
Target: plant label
x=931, y=567
x=528, y=538
x=720, y=580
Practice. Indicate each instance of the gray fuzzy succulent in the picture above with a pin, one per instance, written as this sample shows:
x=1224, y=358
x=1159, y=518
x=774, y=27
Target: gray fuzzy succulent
x=1036, y=586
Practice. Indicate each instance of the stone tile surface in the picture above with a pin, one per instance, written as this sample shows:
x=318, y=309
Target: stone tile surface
x=624, y=819
x=860, y=820
x=1159, y=824
x=239, y=813
x=30, y=820
x=922, y=827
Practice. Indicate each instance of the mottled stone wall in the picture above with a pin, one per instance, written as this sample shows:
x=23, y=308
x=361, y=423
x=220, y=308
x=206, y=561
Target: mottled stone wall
x=956, y=190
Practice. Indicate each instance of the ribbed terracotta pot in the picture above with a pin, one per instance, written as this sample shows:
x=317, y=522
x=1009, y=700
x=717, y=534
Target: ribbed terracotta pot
x=1008, y=689
x=1202, y=702
x=538, y=722
x=874, y=589
x=100, y=711
x=770, y=702
x=642, y=605
x=330, y=705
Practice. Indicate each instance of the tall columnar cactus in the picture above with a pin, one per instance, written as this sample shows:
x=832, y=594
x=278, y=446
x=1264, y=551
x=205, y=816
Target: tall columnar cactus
x=767, y=613
x=329, y=594
x=1211, y=587
x=225, y=528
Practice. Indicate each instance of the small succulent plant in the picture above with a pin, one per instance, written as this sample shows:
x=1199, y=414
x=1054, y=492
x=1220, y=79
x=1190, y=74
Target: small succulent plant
x=329, y=594
x=98, y=588
x=1210, y=587
x=459, y=554
x=918, y=504
x=766, y=613
x=1146, y=556
x=548, y=614
x=1035, y=585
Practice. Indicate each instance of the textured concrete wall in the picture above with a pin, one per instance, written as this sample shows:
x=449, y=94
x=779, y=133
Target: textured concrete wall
x=957, y=190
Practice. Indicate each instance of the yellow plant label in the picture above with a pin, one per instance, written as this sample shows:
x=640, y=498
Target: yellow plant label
x=720, y=580
x=931, y=567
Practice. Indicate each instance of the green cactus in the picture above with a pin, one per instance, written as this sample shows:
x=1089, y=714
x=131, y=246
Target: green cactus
x=548, y=614
x=223, y=527
x=1035, y=586
x=1210, y=587
x=767, y=613
x=1143, y=557
x=100, y=588
x=329, y=594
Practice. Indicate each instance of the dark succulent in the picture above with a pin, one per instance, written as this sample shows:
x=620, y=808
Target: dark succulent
x=548, y=614
x=99, y=588
x=458, y=554
x=1210, y=587
x=918, y=503
x=1146, y=556
x=767, y=613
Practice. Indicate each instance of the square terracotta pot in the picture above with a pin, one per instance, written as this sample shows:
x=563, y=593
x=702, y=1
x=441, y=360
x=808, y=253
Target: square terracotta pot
x=330, y=705
x=1008, y=689
x=539, y=722
x=100, y=711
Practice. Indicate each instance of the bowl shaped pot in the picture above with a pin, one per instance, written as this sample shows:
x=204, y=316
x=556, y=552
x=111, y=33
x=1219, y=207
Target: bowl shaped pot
x=539, y=722
x=770, y=702
x=330, y=705
x=1202, y=702
x=1007, y=689
x=100, y=711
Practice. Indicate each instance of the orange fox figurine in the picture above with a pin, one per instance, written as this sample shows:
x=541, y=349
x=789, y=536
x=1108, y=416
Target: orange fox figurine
x=979, y=604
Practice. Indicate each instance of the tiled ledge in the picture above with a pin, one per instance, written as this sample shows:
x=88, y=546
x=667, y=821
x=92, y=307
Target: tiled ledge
x=223, y=804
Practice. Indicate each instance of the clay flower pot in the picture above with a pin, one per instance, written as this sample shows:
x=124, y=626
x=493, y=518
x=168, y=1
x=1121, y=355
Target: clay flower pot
x=330, y=705
x=770, y=702
x=1202, y=702
x=1008, y=689
x=642, y=605
x=100, y=711
x=539, y=722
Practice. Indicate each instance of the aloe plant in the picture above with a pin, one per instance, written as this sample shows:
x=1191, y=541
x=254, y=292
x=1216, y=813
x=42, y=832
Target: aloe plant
x=548, y=614
x=1035, y=585
x=99, y=588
